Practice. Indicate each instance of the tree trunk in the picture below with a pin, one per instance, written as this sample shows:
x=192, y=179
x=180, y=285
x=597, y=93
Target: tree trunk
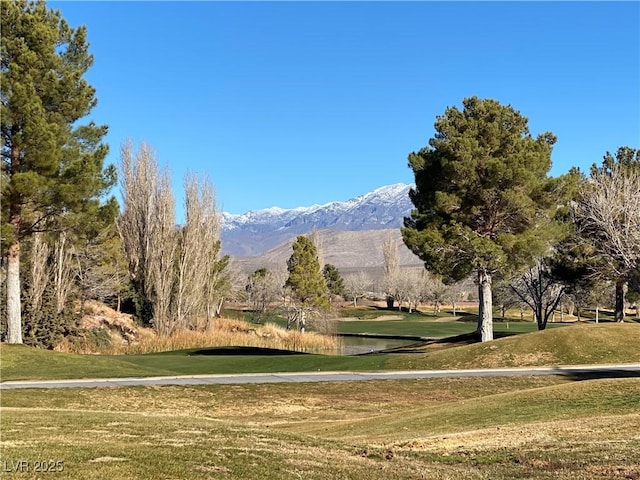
x=292, y=318
x=218, y=309
x=620, y=291
x=302, y=321
x=390, y=301
x=540, y=318
x=597, y=313
x=485, y=314
x=14, y=317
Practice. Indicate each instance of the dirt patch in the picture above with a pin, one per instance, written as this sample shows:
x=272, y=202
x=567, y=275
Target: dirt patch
x=445, y=319
x=607, y=471
x=108, y=459
x=381, y=318
x=212, y=468
x=538, y=358
x=14, y=443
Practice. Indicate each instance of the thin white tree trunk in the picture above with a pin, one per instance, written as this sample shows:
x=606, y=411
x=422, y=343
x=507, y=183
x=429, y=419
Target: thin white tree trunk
x=303, y=321
x=39, y=272
x=14, y=318
x=62, y=278
x=485, y=314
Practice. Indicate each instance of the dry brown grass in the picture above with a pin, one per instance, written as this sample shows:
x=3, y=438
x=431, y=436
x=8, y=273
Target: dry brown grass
x=223, y=332
x=124, y=337
x=204, y=432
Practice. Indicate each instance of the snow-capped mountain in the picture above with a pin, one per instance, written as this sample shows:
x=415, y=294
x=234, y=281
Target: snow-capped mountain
x=255, y=232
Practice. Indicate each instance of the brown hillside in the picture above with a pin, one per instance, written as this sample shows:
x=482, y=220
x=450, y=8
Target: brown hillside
x=348, y=251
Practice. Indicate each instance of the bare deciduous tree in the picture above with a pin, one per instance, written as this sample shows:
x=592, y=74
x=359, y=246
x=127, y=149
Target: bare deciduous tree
x=454, y=294
x=610, y=209
x=40, y=271
x=263, y=289
x=316, y=239
x=356, y=285
x=198, y=248
x=538, y=289
x=147, y=229
x=177, y=271
x=280, y=276
x=138, y=179
x=219, y=283
x=391, y=262
x=609, y=213
x=163, y=256
x=436, y=291
x=101, y=270
x=62, y=275
x=413, y=287
x=506, y=298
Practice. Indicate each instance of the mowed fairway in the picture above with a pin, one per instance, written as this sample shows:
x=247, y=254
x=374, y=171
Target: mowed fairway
x=537, y=427
x=527, y=427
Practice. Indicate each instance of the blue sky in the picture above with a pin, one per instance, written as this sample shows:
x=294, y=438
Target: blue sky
x=294, y=103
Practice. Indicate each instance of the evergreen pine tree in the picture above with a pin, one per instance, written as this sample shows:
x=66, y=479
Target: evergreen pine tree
x=481, y=197
x=52, y=166
x=333, y=279
x=308, y=287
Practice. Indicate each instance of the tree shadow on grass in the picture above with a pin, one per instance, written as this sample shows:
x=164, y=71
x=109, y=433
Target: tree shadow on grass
x=605, y=373
x=241, y=350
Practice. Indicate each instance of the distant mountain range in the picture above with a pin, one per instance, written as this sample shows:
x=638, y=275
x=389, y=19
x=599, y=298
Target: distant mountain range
x=348, y=251
x=256, y=232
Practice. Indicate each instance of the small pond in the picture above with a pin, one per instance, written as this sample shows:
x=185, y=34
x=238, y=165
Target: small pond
x=359, y=344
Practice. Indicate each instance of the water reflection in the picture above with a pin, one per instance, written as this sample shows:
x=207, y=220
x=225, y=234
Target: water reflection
x=358, y=345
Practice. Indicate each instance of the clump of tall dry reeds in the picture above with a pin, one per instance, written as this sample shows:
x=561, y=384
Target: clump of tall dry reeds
x=222, y=332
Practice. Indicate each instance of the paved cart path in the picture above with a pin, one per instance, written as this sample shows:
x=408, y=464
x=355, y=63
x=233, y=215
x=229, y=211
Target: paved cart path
x=577, y=371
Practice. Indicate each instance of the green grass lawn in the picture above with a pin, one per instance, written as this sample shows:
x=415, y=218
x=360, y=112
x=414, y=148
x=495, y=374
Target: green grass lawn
x=412, y=327
x=371, y=313
x=579, y=344
x=19, y=363
x=372, y=320
x=429, y=329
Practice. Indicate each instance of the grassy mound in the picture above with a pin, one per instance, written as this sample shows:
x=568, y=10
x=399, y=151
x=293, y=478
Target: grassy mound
x=575, y=345
x=539, y=428
x=19, y=362
x=573, y=400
